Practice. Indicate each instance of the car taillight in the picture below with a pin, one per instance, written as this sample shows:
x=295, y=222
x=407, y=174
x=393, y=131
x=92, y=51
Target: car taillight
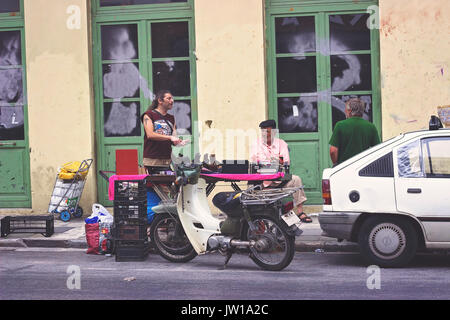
x=326, y=191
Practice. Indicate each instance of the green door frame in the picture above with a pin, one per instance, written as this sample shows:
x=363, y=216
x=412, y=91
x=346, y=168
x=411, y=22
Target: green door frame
x=15, y=22
x=321, y=9
x=143, y=16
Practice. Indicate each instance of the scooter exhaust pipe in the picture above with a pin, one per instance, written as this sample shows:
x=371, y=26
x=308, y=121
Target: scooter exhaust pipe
x=239, y=243
x=216, y=242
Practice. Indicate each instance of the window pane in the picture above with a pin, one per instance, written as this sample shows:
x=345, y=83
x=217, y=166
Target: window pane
x=170, y=40
x=119, y=42
x=298, y=114
x=182, y=112
x=173, y=76
x=11, y=87
x=409, y=164
x=10, y=48
x=295, y=34
x=9, y=6
x=349, y=32
x=121, y=80
x=338, y=107
x=11, y=123
x=296, y=75
x=351, y=73
x=105, y=3
x=436, y=157
x=122, y=119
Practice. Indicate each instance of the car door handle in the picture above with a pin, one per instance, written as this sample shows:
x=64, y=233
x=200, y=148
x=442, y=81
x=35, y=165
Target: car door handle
x=414, y=190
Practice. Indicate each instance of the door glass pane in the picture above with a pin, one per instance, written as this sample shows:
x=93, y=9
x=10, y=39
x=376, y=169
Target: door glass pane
x=295, y=34
x=12, y=123
x=349, y=32
x=182, y=112
x=119, y=42
x=172, y=75
x=10, y=48
x=351, y=72
x=122, y=119
x=297, y=74
x=408, y=160
x=170, y=39
x=338, y=107
x=298, y=114
x=9, y=6
x=11, y=86
x=436, y=157
x=105, y=3
x=121, y=80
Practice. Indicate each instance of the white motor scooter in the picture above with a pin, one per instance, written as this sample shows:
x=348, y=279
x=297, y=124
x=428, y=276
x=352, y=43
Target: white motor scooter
x=255, y=222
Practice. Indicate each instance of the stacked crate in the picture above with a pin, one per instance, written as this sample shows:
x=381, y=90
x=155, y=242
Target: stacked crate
x=130, y=220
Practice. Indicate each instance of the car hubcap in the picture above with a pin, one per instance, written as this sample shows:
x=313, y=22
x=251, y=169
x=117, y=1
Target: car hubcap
x=387, y=241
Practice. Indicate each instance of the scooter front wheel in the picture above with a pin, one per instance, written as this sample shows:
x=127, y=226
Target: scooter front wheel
x=170, y=240
x=274, y=248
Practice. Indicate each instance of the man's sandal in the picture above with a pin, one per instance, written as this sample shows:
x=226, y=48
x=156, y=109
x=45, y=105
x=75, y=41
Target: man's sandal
x=304, y=218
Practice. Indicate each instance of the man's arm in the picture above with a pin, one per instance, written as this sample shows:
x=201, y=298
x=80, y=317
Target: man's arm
x=334, y=154
x=284, y=152
x=334, y=142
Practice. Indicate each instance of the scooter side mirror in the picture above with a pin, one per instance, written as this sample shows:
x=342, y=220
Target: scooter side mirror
x=179, y=180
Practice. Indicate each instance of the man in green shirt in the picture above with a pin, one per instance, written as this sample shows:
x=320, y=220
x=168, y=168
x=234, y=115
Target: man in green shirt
x=353, y=135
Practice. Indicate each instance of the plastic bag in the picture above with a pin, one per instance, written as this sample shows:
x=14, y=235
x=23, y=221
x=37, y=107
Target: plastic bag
x=152, y=200
x=99, y=214
x=98, y=227
x=92, y=238
x=69, y=170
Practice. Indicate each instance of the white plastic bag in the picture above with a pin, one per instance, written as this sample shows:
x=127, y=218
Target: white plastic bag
x=100, y=214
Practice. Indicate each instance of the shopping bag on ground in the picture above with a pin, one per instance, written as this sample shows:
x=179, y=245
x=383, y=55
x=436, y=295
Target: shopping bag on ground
x=92, y=237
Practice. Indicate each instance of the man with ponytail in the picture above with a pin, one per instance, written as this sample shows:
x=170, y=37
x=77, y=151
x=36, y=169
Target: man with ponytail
x=160, y=131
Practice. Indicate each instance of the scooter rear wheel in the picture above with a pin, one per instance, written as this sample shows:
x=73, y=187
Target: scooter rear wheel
x=275, y=248
x=167, y=234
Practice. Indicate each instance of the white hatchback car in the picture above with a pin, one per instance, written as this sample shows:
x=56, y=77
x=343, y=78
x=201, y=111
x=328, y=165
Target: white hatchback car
x=392, y=199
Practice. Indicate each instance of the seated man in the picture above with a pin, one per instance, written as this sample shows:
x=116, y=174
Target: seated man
x=268, y=149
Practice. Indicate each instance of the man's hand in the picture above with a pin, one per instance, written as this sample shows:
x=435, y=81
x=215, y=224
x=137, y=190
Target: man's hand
x=175, y=140
x=179, y=142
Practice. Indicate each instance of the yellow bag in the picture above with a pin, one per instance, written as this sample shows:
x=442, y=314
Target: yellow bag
x=68, y=170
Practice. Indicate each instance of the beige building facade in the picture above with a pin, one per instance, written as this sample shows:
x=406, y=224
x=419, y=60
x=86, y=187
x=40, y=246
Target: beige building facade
x=231, y=67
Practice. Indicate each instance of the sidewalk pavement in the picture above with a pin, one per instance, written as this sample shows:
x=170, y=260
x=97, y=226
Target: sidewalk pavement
x=71, y=234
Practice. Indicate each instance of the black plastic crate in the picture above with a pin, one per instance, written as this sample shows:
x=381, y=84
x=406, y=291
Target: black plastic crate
x=126, y=210
x=28, y=224
x=127, y=231
x=130, y=190
x=131, y=250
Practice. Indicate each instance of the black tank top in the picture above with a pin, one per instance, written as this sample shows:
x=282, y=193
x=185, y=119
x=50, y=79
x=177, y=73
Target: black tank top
x=155, y=149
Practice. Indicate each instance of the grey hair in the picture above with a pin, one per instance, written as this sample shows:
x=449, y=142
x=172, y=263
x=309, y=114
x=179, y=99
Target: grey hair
x=356, y=107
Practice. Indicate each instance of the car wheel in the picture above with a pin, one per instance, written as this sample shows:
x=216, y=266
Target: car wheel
x=387, y=241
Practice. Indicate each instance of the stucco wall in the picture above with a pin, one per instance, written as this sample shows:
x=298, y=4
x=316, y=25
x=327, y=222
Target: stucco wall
x=415, y=62
x=231, y=81
x=59, y=94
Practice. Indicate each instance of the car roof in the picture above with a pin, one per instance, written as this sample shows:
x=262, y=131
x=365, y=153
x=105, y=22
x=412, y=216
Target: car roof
x=401, y=137
x=444, y=131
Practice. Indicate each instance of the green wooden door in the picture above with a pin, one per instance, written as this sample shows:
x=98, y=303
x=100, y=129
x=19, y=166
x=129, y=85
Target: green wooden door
x=14, y=149
x=319, y=56
x=138, y=50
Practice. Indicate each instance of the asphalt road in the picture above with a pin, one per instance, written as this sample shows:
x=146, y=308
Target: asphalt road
x=71, y=274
